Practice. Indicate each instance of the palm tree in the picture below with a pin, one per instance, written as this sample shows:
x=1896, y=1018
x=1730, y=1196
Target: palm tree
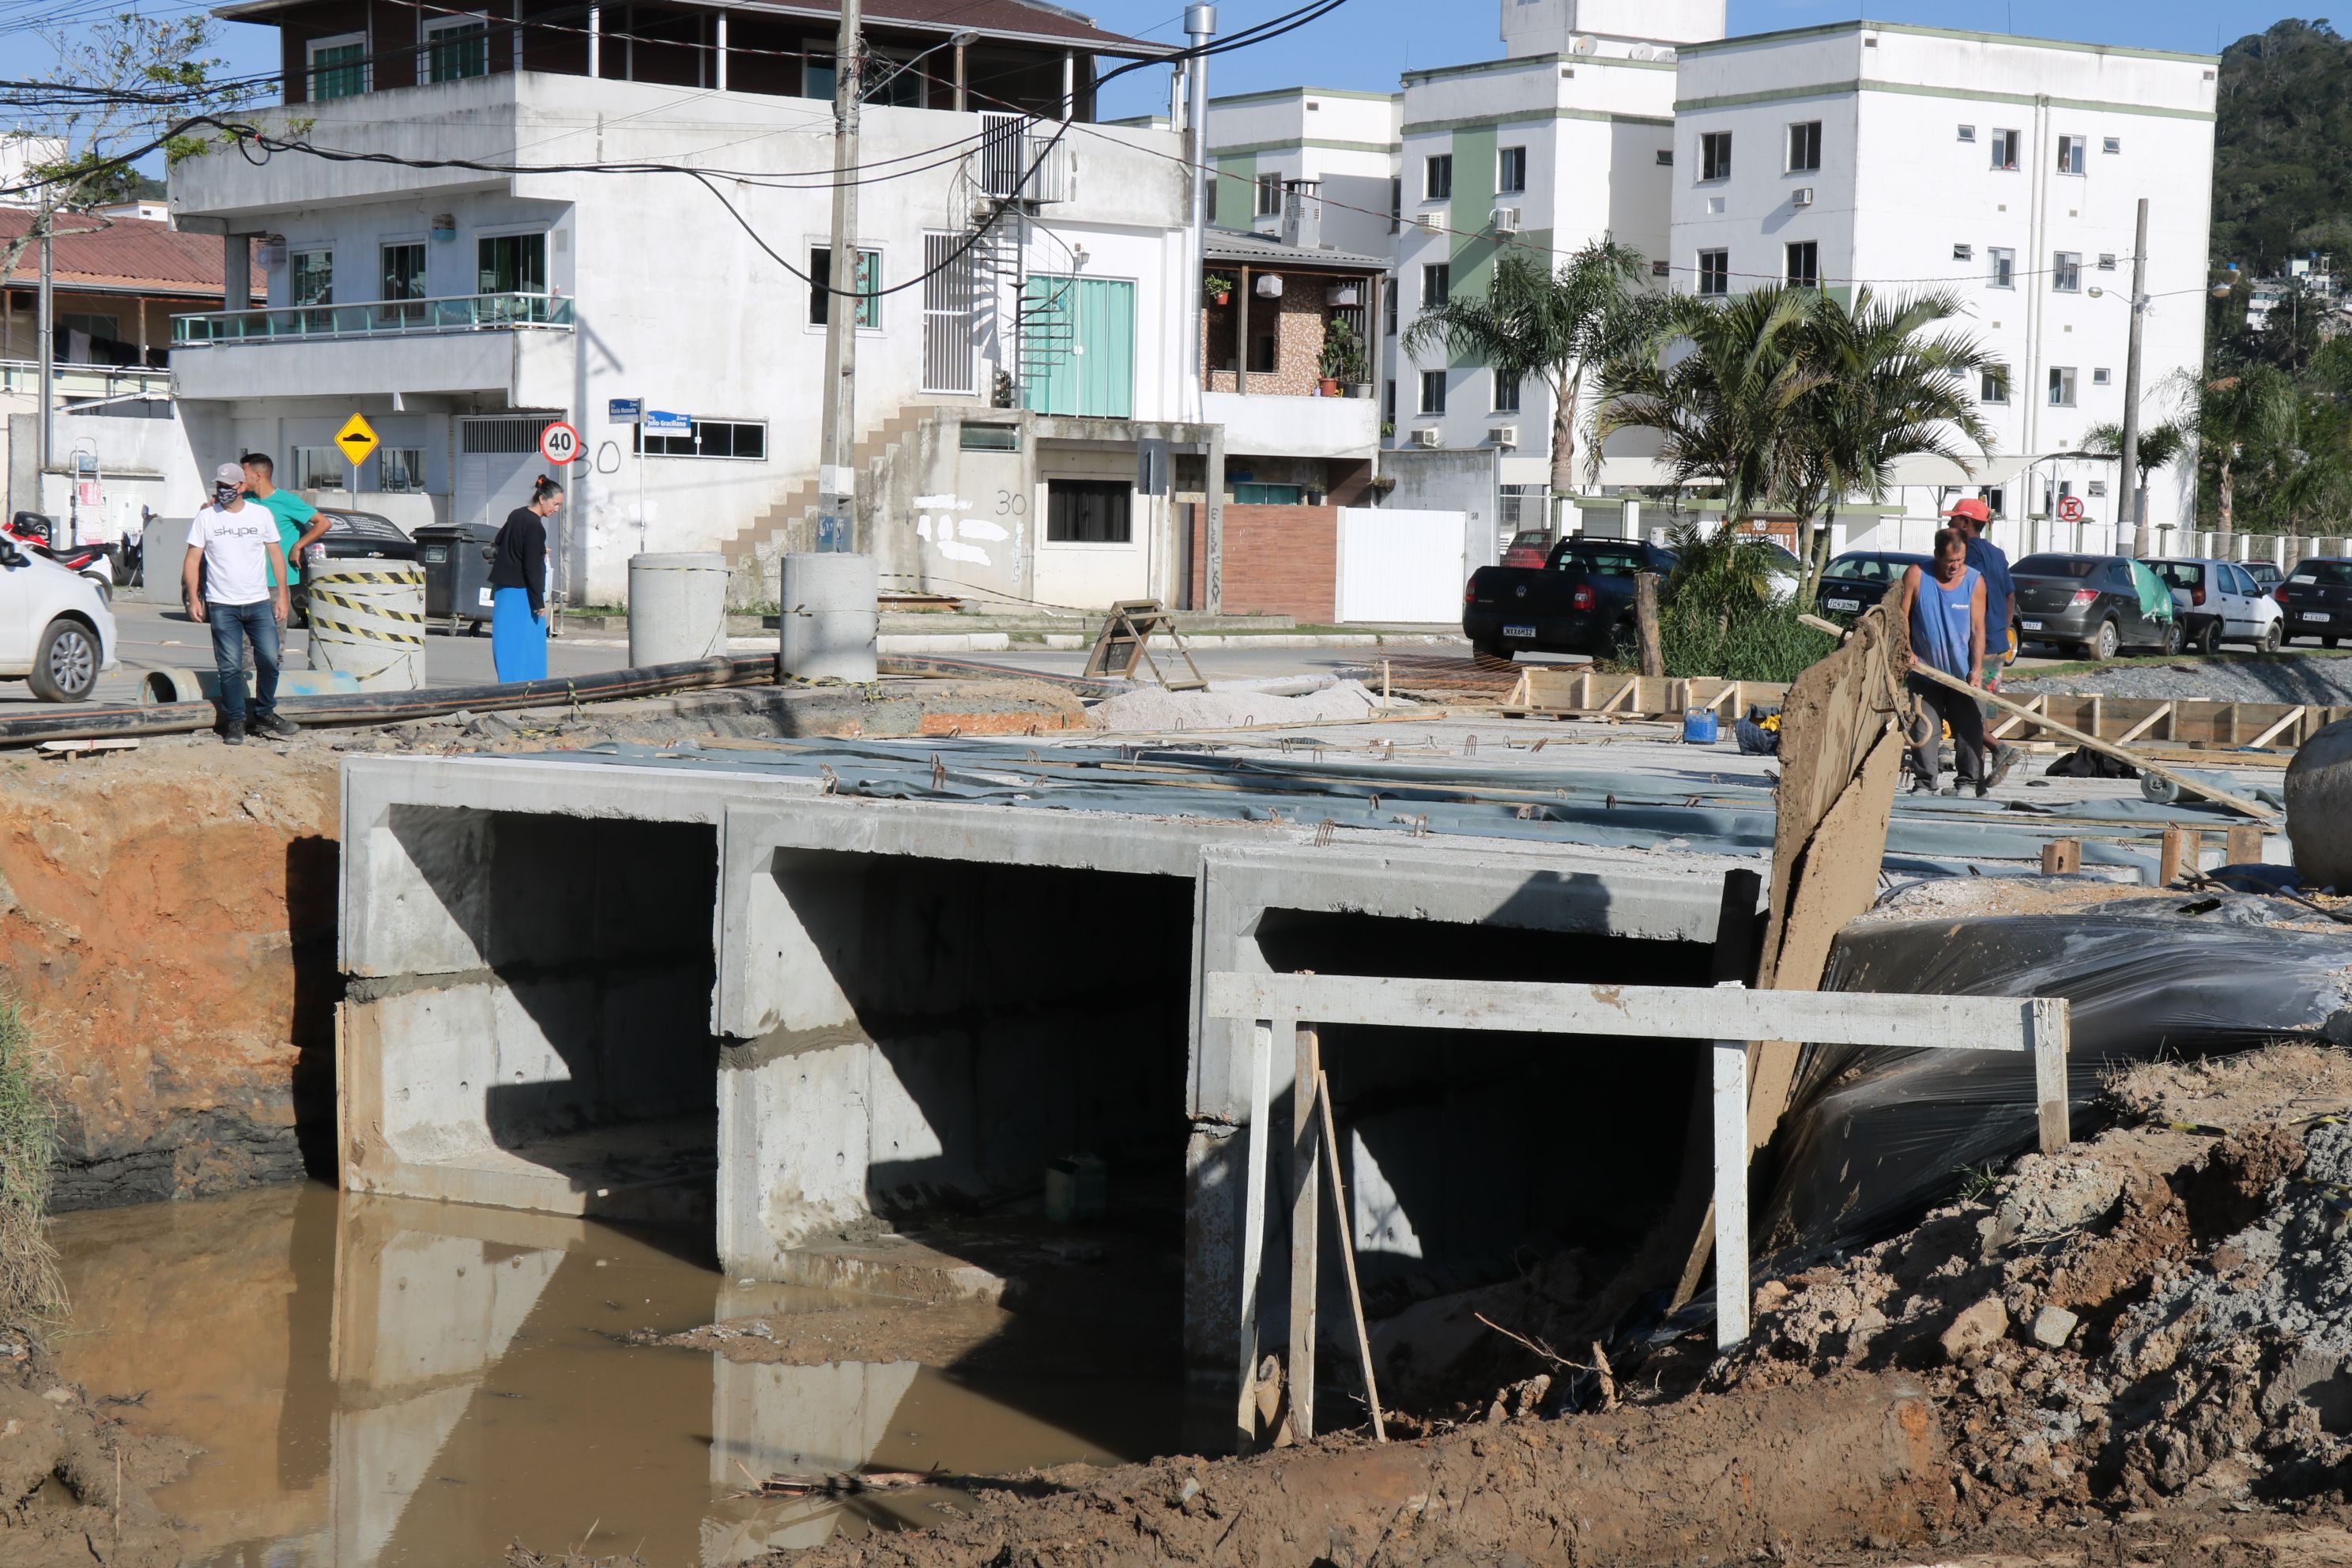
x=1547, y=326
x=2245, y=418
x=2160, y=445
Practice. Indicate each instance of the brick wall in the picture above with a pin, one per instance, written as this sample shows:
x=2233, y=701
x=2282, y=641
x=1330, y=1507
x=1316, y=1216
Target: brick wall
x=1279, y=560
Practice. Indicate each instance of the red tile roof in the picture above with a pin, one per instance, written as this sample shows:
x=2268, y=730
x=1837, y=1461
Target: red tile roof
x=123, y=255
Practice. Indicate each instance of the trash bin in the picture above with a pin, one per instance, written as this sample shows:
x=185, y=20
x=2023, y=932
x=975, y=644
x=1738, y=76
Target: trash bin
x=457, y=562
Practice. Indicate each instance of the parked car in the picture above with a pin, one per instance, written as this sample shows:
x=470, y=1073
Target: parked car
x=1580, y=601
x=1860, y=578
x=2265, y=574
x=2316, y=598
x=56, y=633
x=2093, y=604
x=352, y=536
x=2217, y=601
x=1529, y=547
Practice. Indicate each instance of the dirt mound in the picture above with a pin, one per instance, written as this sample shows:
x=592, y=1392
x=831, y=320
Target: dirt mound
x=73, y=1482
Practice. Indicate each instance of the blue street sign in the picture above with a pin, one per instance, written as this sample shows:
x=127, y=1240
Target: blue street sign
x=624, y=410
x=656, y=423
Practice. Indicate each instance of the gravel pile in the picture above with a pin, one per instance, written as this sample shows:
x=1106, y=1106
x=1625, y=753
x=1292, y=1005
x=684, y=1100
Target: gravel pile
x=2293, y=678
x=1155, y=711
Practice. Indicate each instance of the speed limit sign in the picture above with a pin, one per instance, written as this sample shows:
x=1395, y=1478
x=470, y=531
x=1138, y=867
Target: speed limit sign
x=560, y=444
x=2070, y=508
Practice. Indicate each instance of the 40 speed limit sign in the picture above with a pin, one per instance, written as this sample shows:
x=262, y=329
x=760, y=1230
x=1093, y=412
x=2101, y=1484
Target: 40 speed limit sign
x=560, y=444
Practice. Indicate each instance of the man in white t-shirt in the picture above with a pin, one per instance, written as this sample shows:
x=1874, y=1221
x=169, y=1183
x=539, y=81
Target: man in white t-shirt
x=233, y=559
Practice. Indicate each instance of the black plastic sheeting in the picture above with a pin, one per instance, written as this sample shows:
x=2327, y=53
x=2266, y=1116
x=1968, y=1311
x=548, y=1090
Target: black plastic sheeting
x=1878, y=1136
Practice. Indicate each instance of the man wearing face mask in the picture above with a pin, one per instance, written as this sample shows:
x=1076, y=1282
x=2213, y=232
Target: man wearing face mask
x=227, y=576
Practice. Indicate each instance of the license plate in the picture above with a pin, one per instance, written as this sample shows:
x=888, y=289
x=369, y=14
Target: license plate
x=436, y=557
x=1844, y=604
x=2315, y=615
x=1519, y=631
x=2031, y=625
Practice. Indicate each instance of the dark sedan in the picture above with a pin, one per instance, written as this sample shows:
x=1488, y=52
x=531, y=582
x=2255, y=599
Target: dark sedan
x=2095, y=603
x=2317, y=598
x=350, y=536
x=1860, y=578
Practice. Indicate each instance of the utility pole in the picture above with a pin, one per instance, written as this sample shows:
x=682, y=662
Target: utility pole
x=1199, y=26
x=2135, y=508
x=837, y=474
x=45, y=322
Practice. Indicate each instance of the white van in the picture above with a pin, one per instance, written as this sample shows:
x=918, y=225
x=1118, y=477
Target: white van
x=56, y=632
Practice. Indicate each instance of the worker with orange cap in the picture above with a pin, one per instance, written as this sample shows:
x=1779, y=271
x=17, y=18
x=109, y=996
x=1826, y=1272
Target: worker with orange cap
x=1972, y=517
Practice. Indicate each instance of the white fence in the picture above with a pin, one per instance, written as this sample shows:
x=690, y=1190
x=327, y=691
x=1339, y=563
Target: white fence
x=1401, y=565
x=1916, y=536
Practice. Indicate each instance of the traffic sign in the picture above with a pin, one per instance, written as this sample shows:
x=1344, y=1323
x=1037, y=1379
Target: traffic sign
x=658, y=422
x=2070, y=508
x=356, y=439
x=558, y=444
x=624, y=410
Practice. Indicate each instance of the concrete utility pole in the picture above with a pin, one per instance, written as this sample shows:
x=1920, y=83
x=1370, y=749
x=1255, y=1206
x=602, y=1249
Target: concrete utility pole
x=837, y=474
x=1199, y=26
x=2135, y=508
x=46, y=324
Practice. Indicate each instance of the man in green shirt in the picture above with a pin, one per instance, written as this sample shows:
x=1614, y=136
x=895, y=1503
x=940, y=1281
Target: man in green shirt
x=299, y=524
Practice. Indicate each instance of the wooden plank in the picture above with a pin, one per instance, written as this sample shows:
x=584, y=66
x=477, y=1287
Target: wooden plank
x=2145, y=725
x=2244, y=846
x=2062, y=856
x=2286, y=721
x=1260, y=1133
x=1635, y=1012
x=2178, y=854
x=2051, y=1025
x=1732, y=1301
x=1303, y=1196
x=1343, y=1225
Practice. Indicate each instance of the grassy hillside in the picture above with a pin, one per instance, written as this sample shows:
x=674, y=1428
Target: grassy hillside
x=2282, y=182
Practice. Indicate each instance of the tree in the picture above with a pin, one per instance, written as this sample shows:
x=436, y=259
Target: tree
x=2160, y=445
x=1548, y=326
x=2245, y=419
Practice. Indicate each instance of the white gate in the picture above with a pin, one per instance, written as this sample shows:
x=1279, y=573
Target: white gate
x=1401, y=565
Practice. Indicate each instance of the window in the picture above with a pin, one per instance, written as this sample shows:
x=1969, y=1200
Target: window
x=1432, y=392
x=974, y=437
x=1269, y=195
x=2004, y=148
x=2066, y=272
x=1507, y=393
x=1396, y=205
x=1996, y=502
x=2070, y=150
x=1963, y=253
x=94, y=327
x=403, y=271
x=818, y=78
x=744, y=440
x=1804, y=264
x=1389, y=308
x=1510, y=171
x=1437, y=283
x=401, y=469
x=1388, y=403
x=456, y=47
x=1666, y=157
x=310, y=281
x=1437, y=177
x=2062, y=386
x=869, y=280
x=1968, y=132
x=1805, y=147
x=510, y=264
x=1715, y=155
x=1088, y=511
x=2004, y=267
x=950, y=303
x=1265, y=350
x=1255, y=494
x=2111, y=145
x=2102, y=376
x=1715, y=272
x=1993, y=387
x=321, y=469
x=339, y=66
x=1661, y=267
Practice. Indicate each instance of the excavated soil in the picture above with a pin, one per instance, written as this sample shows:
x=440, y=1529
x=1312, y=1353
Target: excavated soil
x=74, y=1483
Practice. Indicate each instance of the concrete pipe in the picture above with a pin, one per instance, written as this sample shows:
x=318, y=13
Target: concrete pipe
x=829, y=617
x=2319, y=807
x=677, y=608
x=367, y=619
x=159, y=687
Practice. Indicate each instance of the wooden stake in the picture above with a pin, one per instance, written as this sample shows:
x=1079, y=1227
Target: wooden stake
x=1645, y=623
x=2177, y=857
x=2244, y=846
x=1304, y=1093
x=1347, y=1257
x=1260, y=1133
x=2063, y=856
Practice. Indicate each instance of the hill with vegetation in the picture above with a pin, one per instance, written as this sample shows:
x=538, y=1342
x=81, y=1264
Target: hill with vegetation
x=2282, y=184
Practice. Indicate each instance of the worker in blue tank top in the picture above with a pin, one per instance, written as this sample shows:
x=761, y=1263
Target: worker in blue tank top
x=1945, y=608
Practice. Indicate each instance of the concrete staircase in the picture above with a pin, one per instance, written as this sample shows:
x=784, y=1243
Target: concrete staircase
x=789, y=522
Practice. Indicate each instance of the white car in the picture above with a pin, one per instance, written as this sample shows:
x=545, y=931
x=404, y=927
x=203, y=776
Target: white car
x=56, y=632
x=2218, y=602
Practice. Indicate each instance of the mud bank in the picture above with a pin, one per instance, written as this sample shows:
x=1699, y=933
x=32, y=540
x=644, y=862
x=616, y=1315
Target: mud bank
x=74, y=1482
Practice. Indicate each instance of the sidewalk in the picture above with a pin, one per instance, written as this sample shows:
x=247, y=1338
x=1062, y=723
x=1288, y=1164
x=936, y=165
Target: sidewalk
x=955, y=632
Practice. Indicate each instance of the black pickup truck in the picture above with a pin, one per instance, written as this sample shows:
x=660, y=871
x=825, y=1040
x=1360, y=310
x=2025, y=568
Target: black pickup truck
x=1580, y=601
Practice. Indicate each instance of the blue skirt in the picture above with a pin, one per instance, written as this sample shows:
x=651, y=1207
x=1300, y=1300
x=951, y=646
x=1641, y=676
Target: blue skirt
x=517, y=638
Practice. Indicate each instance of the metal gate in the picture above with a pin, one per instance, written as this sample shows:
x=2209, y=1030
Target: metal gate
x=496, y=458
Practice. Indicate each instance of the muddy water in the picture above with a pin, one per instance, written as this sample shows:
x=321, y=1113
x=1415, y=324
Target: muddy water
x=384, y=1381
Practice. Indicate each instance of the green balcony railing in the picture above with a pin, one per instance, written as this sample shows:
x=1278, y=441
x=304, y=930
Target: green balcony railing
x=375, y=319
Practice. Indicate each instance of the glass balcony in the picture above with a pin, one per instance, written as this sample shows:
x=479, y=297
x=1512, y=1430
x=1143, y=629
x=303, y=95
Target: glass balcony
x=375, y=319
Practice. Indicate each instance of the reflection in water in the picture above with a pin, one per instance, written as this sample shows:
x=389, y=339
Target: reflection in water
x=379, y=1381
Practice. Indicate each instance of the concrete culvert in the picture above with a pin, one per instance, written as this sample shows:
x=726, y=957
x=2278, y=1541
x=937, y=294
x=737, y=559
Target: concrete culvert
x=2319, y=807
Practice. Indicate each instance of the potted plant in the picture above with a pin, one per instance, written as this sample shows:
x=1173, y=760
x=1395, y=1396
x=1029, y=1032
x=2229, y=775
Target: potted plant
x=1343, y=356
x=1218, y=290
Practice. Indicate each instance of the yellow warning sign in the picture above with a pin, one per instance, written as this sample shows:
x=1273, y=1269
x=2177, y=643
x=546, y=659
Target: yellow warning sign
x=357, y=439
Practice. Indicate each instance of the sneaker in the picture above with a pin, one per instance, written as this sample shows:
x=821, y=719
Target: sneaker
x=2004, y=757
x=277, y=726
x=232, y=733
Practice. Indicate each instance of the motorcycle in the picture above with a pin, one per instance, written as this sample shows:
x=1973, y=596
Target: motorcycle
x=33, y=532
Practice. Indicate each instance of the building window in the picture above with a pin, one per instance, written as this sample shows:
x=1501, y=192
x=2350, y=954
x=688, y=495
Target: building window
x=456, y=47
x=1432, y=392
x=1088, y=511
x=1389, y=308
x=1510, y=171
x=339, y=66
x=1968, y=132
x=2111, y=144
x=1666, y=157
x=2062, y=386
x=1661, y=267
x=1993, y=387
x=401, y=471
x=1396, y=205
x=1804, y=264
x=870, y=281
x=1266, y=351
x=743, y=440
x=2004, y=148
x=2004, y=267
x=1437, y=177
x=1963, y=253
x=1388, y=403
x=1715, y=272
x=2066, y=272
x=311, y=279
x=510, y=264
x=2071, y=151
x=1253, y=493
x=403, y=271
x=818, y=78
x=1715, y=155
x=1437, y=283
x=321, y=469
x=1805, y=147
x=1507, y=393
x=1269, y=195
x=2102, y=377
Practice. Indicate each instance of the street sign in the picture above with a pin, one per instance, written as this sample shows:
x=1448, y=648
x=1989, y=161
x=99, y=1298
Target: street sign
x=656, y=423
x=356, y=439
x=2070, y=508
x=559, y=443
x=624, y=410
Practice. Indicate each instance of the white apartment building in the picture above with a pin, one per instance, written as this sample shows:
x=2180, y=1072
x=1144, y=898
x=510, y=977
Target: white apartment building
x=1345, y=142
x=2006, y=169
x=1018, y=344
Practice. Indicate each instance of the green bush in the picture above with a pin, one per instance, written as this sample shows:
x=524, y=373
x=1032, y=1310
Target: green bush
x=1758, y=642
x=30, y=1287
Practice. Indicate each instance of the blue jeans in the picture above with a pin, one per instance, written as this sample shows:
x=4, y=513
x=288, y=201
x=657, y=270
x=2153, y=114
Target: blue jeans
x=231, y=623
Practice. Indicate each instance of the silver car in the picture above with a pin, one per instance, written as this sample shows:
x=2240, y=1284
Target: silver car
x=2219, y=602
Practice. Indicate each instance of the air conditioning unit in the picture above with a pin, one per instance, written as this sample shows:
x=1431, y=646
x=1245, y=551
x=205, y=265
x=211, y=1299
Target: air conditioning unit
x=1431, y=223
x=1504, y=220
x=1428, y=435
x=1344, y=294
x=1503, y=434
x=1801, y=197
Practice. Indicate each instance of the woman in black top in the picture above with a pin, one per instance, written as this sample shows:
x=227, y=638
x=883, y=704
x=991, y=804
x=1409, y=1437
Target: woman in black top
x=519, y=586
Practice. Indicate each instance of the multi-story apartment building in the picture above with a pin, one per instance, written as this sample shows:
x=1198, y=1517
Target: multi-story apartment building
x=1343, y=143
x=2006, y=170
x=484, y=222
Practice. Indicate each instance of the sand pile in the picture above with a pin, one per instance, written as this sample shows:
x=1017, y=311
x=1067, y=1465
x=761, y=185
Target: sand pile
x=1157, y=710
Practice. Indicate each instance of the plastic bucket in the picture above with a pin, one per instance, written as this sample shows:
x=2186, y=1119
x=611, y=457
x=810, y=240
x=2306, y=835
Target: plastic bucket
x=367, y=619
x=1699, y=726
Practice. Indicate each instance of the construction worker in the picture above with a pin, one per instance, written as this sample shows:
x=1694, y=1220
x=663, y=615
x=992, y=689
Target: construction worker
x=1972, y=518
x=1945, y=608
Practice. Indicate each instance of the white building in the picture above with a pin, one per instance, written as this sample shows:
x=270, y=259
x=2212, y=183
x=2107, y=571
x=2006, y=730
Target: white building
x=1344, y=141
x=2004, y=168
x=478, y=285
